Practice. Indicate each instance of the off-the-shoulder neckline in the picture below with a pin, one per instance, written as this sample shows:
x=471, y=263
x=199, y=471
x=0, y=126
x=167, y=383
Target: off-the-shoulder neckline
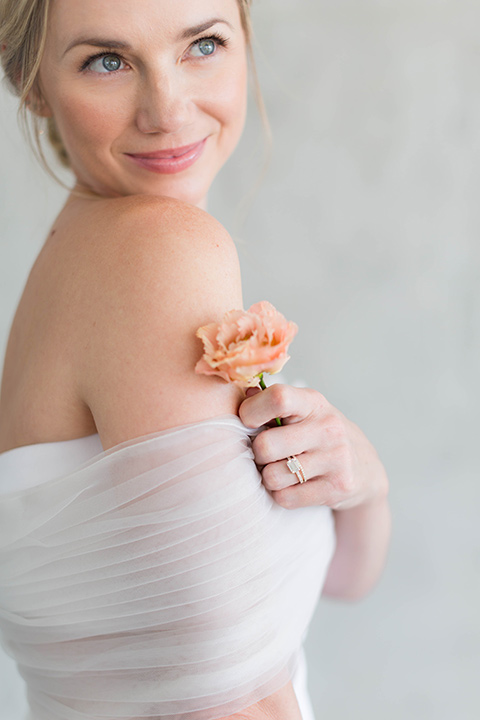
x=57, y=443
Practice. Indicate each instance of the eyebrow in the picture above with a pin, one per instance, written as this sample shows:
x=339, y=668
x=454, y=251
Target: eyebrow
x=120, y=45
x=197, y=29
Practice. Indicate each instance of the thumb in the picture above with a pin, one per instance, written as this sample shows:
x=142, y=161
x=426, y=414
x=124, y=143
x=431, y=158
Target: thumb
x=251, y=391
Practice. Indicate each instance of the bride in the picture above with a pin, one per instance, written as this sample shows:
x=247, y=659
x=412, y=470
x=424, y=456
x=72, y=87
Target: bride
x=114, y=453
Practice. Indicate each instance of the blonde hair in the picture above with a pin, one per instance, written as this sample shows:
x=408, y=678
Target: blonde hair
x=23, y=30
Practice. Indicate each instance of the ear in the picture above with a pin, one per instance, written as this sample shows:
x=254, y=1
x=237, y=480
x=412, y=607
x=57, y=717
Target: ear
x=37, y=104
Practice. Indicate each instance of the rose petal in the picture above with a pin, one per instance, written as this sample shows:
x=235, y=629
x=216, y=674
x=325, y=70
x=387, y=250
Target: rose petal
x=245, y=344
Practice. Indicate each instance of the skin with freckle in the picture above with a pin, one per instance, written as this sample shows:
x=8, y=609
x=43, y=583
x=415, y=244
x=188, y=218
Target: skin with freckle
x=148, y=105
x=164, y=94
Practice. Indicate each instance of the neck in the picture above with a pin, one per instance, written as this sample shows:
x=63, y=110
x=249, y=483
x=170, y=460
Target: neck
x=83, y=191
x=203, y=203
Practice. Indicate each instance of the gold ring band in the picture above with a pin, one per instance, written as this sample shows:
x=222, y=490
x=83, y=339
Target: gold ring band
x=296, y=468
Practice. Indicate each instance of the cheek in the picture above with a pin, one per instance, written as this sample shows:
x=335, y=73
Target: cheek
x=231, y=99
x=86, y=124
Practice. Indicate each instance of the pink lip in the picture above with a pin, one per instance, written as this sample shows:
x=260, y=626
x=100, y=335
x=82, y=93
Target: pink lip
x=169, y=161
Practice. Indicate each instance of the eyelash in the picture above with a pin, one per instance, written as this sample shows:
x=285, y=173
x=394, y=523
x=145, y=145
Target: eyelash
x=217, y=39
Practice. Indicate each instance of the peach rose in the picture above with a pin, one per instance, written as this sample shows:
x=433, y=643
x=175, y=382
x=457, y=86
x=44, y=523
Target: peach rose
x=246, y=344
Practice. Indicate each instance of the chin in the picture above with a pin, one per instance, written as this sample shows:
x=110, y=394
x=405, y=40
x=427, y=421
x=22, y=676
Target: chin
x=191, y=188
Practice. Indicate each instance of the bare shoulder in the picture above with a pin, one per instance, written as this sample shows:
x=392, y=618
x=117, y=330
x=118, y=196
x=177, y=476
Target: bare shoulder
x=130, y=226
x=160, y=269
x=155, y=251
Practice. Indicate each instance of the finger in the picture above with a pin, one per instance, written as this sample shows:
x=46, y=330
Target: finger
x=278, y=443
x=283, y=401
x=277, y=476
x=250, y=392
x=327, y=484
x=313, y=492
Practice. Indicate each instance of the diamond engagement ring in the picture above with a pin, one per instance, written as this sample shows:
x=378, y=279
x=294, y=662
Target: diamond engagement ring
x=296, y=467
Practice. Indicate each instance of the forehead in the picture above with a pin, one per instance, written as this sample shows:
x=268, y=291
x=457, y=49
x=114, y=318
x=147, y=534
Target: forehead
x=145, y=18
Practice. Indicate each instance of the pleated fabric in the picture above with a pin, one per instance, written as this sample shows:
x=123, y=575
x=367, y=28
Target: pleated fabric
x=158, y=580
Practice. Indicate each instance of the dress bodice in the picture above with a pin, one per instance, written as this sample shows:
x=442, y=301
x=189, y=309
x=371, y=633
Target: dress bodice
x=30, y=465
x=157, y=578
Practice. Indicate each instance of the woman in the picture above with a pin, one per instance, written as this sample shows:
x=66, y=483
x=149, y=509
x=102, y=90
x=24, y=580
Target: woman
x=98, y=376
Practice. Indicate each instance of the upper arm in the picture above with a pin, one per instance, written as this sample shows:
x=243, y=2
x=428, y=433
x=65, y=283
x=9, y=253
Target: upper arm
x=162, y=272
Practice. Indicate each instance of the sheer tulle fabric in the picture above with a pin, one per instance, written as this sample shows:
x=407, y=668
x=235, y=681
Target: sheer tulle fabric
x=158, y=580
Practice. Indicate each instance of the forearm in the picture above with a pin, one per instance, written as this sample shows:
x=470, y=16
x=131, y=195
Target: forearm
x=363, y=536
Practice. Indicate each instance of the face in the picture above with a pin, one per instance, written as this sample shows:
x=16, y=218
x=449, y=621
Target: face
x=148, y=101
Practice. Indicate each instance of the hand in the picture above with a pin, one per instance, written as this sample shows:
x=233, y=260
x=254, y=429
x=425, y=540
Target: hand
x=342, y=467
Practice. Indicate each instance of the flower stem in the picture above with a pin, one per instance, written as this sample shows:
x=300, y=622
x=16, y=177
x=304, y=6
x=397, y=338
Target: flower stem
x=264, y=387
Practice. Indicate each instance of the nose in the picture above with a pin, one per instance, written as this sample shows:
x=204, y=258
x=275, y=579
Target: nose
x=165, y=104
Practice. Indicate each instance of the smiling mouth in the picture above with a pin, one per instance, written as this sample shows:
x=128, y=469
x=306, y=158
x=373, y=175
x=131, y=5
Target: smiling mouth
x=169, y=161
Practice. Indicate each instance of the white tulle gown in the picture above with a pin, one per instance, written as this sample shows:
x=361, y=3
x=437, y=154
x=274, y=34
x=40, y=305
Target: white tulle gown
x=157, y=579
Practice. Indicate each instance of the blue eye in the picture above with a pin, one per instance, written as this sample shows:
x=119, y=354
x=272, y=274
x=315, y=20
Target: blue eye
x=106, y=64
x=203, y=48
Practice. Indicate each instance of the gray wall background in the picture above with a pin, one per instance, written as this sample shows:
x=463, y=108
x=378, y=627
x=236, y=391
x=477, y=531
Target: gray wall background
x=365, y=231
